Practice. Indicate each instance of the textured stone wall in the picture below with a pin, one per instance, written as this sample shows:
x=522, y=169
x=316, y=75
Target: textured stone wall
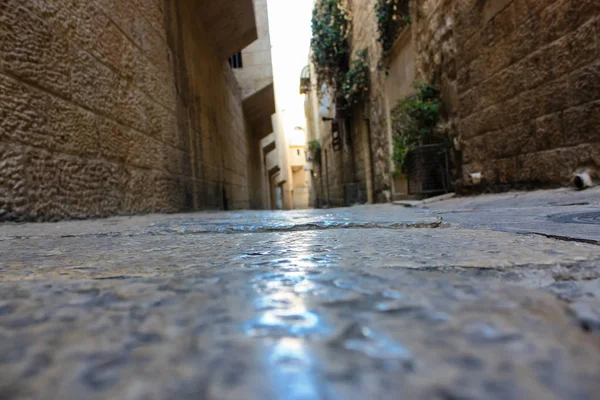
x=364, y=159
x=519, y=82
x=257, y=71
x=528, y=86
x=362, y=154
x=115, y=106
x=433, y=35
x=376, y=164
x=333, y=167
x=330, y=172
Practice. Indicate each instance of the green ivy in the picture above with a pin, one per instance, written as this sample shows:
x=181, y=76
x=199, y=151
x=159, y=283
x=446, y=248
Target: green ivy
x=314, y=146
x=356, y=80
x=392, y=17
x=331, y=26
x=414, y=122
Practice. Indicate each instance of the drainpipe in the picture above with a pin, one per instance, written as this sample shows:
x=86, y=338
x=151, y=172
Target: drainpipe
x=370, y=146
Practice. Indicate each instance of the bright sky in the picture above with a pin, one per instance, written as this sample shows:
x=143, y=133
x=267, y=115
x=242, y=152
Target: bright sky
x=289, y=22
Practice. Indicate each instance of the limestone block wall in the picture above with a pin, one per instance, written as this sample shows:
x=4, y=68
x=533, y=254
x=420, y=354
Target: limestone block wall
x=528, y=87
x=362, y=154
x=332, y=175
x=115, y=106
x=374, y=166
x=328, y=183
x=365, y=156
x=257, y=71
x=436, y=56
x=519, y=81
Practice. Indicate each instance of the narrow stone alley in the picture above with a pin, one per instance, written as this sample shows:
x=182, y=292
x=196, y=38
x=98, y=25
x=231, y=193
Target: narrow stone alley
x=172, y=174
x=493, y=297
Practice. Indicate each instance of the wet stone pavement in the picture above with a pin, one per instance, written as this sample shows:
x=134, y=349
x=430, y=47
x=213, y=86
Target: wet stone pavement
x=370, y=302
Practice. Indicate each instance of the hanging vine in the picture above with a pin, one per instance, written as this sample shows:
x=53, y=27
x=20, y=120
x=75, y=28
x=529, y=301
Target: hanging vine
x=356, y=80
x=392, y=17
x=314, y=147
x=331, y=26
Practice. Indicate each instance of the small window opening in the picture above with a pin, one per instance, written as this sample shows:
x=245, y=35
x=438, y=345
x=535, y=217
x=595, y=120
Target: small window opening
x=235, y=61
x=298, y=152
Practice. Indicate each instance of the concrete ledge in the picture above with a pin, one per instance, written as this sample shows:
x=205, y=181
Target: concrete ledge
x=258, y=109
x=232, y=24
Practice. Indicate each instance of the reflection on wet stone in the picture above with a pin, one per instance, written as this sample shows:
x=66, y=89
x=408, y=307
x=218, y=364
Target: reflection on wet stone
x=339, y=298
x=362, y=339
x=276, y=301
x=588, y=315
x=344, y=284
x=397, y=307
x=292, y=371
x=485, y=332
x=284, y=323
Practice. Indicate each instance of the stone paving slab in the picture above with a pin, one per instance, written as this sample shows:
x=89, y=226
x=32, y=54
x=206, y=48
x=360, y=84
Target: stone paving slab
x=148, y=255
x=291, y=332
x=534, y=199
x=375, y=302
x=551, y=213
x=375, y=216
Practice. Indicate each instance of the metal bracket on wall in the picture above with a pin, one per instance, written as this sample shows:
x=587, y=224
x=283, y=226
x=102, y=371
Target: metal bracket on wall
x=335, y=134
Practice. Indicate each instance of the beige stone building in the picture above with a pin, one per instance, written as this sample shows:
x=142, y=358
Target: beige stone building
x=287, y=163
x=519, y=89
x=114, y=106
x=277, y=160
x=254, y=72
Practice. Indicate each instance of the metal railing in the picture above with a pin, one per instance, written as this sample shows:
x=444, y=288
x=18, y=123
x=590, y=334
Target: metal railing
x=428, y=170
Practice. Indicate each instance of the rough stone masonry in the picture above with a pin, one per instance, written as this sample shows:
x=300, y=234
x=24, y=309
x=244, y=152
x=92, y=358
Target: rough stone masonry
x=519, y=81
x=116, y=106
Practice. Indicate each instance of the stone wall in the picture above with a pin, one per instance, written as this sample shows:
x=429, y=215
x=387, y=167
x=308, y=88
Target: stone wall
x=255, y=80
x=373, y=134
x=115, y=106
x=520, y=84
x=364, y=158
x=400, y=84
x=333, y=176
x=257, y=71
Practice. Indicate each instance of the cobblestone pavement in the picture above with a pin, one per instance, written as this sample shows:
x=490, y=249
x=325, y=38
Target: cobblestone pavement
x=480, y=298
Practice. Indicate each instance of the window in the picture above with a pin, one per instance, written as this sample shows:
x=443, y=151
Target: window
x=298, y=152
x=235, y=61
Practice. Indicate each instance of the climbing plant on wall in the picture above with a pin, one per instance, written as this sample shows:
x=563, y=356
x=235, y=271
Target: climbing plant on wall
x=314, y=147
x=392, y=17
x=331, y=25
x=356, y=80
x=414, y=122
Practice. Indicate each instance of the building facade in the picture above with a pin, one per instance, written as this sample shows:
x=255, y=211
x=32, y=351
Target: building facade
x=118, y=107
x=254, y=72
x=520, y=101
x=287, y=163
